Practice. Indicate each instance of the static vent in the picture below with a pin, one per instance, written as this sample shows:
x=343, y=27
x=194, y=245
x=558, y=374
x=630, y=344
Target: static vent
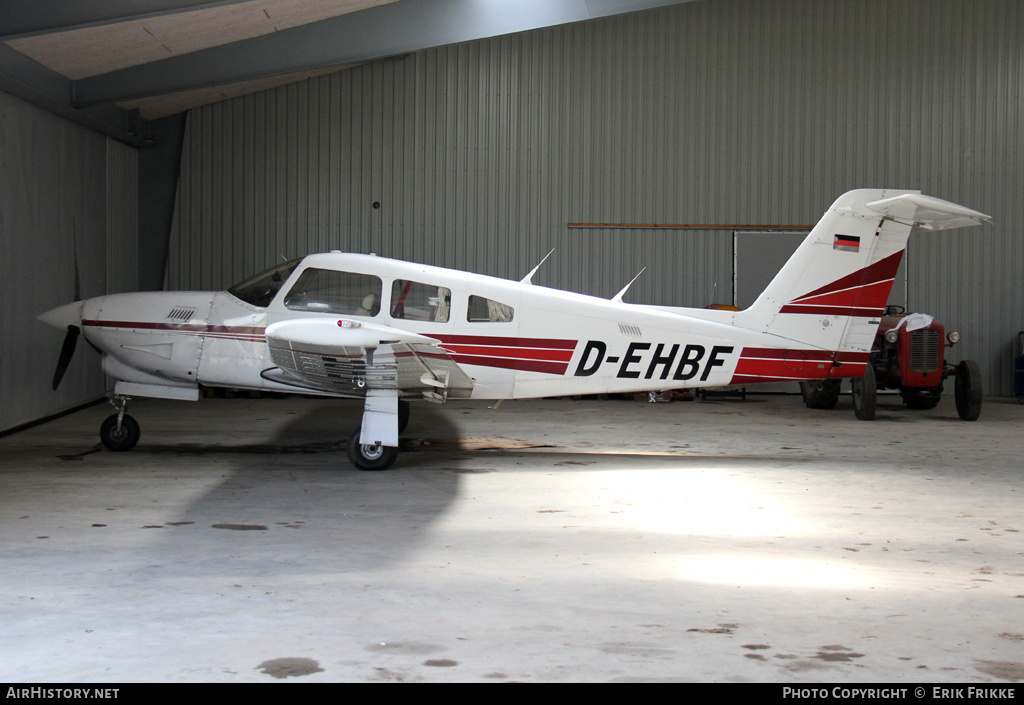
x=627, y=329
x=925, y=350
x=180, y=313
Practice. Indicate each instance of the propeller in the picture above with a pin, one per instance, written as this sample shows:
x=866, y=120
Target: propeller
x=67, y=351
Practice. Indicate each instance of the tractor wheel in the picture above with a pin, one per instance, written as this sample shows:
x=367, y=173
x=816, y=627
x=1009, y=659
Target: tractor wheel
x=865, y=395
x=968, y=390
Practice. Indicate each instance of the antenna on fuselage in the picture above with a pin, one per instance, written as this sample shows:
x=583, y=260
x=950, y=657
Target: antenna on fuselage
x=527, y=279
x=618, y=296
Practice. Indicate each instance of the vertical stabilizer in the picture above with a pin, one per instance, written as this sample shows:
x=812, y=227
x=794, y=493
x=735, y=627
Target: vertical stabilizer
x=832, y=291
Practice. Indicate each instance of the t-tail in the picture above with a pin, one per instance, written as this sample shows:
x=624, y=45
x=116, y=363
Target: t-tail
x=833, y=290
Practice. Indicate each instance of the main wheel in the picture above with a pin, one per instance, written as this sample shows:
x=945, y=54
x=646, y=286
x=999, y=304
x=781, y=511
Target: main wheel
x=968, y=390
x=367, y=456
x=120, y=438
x=404, y=412
x=823, y=394
x=865, y=394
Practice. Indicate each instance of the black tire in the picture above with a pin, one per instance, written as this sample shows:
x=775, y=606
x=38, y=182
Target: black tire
x=822, y=394
x=968, y=390
x=369, y=457
x=404, y=412
x=123, y=438
x=865, y=395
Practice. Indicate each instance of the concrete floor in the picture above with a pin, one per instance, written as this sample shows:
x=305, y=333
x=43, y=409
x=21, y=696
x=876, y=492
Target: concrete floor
x=718, y=541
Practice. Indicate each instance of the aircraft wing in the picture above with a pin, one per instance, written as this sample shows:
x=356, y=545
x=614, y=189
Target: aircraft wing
x=355, y=358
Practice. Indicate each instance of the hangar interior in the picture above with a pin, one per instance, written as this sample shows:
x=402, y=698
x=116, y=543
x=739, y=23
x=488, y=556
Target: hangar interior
x=190, y=144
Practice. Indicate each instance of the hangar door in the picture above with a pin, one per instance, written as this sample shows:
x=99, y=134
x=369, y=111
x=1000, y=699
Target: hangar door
x=757, y=258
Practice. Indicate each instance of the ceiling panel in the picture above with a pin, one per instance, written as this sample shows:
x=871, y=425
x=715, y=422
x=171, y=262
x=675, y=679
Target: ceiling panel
x=98, y=49
x=114, y=64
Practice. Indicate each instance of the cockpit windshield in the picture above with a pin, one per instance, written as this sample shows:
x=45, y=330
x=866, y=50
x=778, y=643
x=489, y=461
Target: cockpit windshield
x=261, y=289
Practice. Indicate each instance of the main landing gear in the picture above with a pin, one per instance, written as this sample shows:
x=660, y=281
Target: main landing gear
x=374, y=456
x=120, y=431
x=366, y=456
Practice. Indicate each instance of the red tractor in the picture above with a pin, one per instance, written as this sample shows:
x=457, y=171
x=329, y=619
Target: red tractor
x=908, y=355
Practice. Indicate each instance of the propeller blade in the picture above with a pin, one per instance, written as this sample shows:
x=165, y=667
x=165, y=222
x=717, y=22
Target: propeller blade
x=66, y=353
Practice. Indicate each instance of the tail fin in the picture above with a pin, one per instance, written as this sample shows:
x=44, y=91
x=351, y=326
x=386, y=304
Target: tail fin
x=835, y=286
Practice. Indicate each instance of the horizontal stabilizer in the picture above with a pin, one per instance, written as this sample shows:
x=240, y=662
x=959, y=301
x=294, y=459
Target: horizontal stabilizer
x=927, y=212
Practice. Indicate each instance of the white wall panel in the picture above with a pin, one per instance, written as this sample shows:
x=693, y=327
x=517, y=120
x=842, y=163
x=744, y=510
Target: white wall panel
x=122, y=215
x=65, y=192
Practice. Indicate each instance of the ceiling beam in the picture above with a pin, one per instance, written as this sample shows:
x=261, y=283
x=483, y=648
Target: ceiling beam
x=25, y=18
x=375, y=33
x=38, y=85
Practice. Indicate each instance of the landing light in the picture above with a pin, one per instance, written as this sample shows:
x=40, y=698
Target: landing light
x=349, y=324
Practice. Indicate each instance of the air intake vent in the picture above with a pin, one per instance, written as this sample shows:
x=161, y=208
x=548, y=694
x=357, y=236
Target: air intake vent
x=627, y=329
x=181, y=314
x=925, y=350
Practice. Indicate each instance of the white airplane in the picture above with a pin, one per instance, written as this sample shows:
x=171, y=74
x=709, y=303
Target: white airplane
x=386, y=331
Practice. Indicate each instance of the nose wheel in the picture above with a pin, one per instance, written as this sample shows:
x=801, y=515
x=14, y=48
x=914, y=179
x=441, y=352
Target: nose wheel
x=120, y=432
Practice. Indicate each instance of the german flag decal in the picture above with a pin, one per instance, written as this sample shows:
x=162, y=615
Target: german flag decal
x=847, y=243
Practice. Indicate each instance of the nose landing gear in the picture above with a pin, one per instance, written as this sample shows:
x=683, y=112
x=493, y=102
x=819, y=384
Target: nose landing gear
x=120, y=431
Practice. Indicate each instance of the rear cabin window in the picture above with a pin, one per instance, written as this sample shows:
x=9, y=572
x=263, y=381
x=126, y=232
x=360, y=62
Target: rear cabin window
x=413, y=301
x=483, y=310
x=331, y=291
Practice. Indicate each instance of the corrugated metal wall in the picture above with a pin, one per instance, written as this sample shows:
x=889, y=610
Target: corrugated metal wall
x=718, y=112
x=67, y=197
x=122, y=218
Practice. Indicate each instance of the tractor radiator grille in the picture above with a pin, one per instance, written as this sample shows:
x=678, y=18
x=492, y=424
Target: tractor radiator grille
x=925, y=350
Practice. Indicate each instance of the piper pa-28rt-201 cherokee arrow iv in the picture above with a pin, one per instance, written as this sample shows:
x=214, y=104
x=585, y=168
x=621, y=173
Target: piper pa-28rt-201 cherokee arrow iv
x=388, y=332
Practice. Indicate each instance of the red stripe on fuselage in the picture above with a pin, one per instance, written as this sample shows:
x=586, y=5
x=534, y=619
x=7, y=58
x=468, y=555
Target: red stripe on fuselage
x=517, y=353
x=240, y=332
x=506, y=341
x=545, y=355
x=554, y=368
x=833, y=310
x=774, y=364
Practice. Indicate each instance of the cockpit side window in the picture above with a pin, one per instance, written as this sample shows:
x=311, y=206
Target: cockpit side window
x=413, y=301
x=331, y=291
x=483, y=310
x=261, y=289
